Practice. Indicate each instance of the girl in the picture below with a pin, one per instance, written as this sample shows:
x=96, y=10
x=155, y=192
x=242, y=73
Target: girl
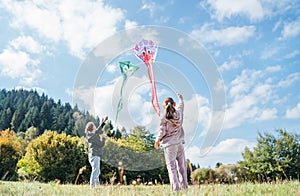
x=94, y=146
x=171, y=135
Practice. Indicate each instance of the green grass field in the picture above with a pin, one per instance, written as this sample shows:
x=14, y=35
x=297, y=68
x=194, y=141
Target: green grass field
x=35, y=188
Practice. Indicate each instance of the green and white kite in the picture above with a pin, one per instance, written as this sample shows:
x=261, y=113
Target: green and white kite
x=127, y=70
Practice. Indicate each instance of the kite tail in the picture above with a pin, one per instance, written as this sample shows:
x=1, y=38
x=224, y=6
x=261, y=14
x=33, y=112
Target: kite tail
x=153, y=84
x=155, y=99
x=120, y=106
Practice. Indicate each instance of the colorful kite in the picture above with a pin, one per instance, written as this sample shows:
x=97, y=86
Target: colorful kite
x=146, y=50
x=127, y=70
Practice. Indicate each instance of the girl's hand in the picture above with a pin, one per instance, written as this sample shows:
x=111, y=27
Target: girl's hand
x=156, y=145
x=179, y=96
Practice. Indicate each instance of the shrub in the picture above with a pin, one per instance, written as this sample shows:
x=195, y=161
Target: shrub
x=53, y=156
x=204, y=175
x=10, y=152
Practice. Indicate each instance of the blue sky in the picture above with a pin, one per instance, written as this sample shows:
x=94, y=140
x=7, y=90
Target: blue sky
x=254, y=45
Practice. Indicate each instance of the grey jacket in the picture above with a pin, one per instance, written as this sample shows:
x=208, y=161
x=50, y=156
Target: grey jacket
x=95, y=144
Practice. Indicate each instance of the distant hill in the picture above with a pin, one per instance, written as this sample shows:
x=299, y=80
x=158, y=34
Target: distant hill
x=21, y=109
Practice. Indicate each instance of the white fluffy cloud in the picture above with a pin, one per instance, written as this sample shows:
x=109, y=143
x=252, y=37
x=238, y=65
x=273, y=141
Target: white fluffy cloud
x=28, y=44
x=231, y=64
x=111, y=68
x=227, y=152
x=224, y=37
x=293, y=112
x=275, y=68
x=292, y=54
x=81, y=25
x=18, y=64
x=268, y=114
x=16, y=60
x=77, y=25
x=290, y=29
x=251, y=9
x=37, y=15
x=249, y=95
x=254, y=10
x=269, y=52
x=289, y=80
x=252, y=95
x=130, y=24
x=151, y=6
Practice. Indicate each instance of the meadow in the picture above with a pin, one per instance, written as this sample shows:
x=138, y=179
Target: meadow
x=285, y=188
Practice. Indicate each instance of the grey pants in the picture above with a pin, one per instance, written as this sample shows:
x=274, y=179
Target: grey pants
x=178, y=177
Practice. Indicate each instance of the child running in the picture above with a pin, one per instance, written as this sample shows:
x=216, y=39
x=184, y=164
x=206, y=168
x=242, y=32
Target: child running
x=171, y=135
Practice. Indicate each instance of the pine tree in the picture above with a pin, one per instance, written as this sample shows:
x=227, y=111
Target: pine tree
x=17, y=118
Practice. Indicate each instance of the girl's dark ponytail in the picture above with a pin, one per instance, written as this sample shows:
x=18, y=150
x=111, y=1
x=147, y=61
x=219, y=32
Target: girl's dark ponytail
x=170, y=109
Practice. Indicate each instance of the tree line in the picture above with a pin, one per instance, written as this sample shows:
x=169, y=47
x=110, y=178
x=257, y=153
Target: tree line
x=46, y=146
x=276, y=157
x=21, y=109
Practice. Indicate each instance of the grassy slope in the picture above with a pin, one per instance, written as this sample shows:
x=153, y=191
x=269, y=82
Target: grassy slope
x=36, y=188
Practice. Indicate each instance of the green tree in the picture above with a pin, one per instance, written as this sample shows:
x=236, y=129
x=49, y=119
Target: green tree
x=11, y=150
x=5, y=118
x=46, y=116
x=274, y=157
x=53, y=156
x=59, y=120
x=17, y=118
x=248, y=165
x=287, y=155
x=140, y=139
x=29, y=119
x=70, y=126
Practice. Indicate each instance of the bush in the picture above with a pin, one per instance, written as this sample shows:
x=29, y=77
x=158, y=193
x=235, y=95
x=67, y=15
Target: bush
x=204, y=175
x=53, y=156
x=10, y=152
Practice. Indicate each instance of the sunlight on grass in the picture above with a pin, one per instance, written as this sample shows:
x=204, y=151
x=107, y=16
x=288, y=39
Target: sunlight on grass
x=36, y=188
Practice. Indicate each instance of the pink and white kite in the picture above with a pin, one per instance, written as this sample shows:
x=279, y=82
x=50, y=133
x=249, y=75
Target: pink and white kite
x=146, y=50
